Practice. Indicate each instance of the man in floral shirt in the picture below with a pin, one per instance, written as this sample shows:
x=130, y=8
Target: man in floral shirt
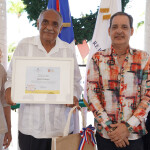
x=118, y=89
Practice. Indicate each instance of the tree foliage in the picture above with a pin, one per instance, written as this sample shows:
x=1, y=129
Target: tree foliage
x=34, y=7
x=140, y=24
x=124, y=3
x=16, y=7
x=83, y=27
x=11, y=49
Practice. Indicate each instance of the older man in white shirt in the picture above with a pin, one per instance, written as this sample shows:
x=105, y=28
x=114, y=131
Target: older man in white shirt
x=38, y=123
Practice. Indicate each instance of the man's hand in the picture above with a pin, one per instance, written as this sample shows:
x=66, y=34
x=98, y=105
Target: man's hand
x=7, y=139
x=119, y=135
x=8, y=97
x=75, y=103
x=122, y=143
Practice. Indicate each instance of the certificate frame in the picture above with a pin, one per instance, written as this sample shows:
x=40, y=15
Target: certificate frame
x=21, y=79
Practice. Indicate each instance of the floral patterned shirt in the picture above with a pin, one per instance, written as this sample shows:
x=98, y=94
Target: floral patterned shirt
x=119, y=93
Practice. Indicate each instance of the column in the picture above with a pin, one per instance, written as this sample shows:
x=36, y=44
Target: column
x=147, y=27
x=3, y=32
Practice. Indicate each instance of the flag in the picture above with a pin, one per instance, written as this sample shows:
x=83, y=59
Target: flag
x=66, y=35
x=62, y=6
x=101, y=39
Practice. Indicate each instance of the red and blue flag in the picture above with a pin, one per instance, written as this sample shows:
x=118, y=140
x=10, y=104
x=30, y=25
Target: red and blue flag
x=62, y=6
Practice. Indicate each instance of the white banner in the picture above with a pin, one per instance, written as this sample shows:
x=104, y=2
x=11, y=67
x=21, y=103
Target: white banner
x=101, y=39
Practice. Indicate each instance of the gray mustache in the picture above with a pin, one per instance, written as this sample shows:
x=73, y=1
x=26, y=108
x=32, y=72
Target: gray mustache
x=48, y=31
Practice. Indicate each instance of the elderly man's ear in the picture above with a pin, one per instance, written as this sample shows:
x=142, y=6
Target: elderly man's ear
x=61, y=29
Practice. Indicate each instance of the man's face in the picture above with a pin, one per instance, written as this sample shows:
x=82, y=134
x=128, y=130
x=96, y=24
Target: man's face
x=50, y=25
x=120, y=30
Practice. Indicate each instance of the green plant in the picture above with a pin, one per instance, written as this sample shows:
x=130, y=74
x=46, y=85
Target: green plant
x=11, y=49
x=140, y=24
x=16, y=7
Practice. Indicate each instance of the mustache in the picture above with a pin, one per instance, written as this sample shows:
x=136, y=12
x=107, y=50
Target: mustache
x=48, y=31
x=119, y=35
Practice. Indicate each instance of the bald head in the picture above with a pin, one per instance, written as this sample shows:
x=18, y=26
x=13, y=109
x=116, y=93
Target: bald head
x=49, y=11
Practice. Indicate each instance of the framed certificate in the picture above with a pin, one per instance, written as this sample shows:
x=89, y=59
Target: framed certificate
x=42, y=80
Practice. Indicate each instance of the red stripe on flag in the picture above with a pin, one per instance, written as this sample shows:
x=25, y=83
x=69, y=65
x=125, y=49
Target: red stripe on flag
x=83, y=49
x=57, y=5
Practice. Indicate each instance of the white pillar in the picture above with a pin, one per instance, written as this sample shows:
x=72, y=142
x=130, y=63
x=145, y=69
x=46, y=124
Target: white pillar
x=3, y=32
x=147, y=27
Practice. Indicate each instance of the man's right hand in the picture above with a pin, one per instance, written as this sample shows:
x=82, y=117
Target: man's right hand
x=8, y=97
x=120, y=135
x=122, y=143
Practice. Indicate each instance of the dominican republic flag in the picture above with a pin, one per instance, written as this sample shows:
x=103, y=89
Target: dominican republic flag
x=101, y=39
x=62, y=6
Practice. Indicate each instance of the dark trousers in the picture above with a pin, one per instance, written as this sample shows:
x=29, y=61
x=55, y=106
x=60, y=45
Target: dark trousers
x=146, y=141
x=146, y=138
x=106, y=144
x=27, y=142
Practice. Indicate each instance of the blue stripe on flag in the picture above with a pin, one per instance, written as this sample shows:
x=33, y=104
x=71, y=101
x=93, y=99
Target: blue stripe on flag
x=67, y=33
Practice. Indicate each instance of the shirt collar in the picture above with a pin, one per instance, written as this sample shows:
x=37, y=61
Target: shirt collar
x=38, y=43
x=59, y=43
x=130, y=50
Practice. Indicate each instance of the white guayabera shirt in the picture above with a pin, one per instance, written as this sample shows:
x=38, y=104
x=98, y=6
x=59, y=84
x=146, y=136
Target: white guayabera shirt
x=45, y=120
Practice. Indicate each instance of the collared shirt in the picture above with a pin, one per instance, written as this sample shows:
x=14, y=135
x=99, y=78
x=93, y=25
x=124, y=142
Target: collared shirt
x=3, y=125
x=43, y=120
x=119, y=94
